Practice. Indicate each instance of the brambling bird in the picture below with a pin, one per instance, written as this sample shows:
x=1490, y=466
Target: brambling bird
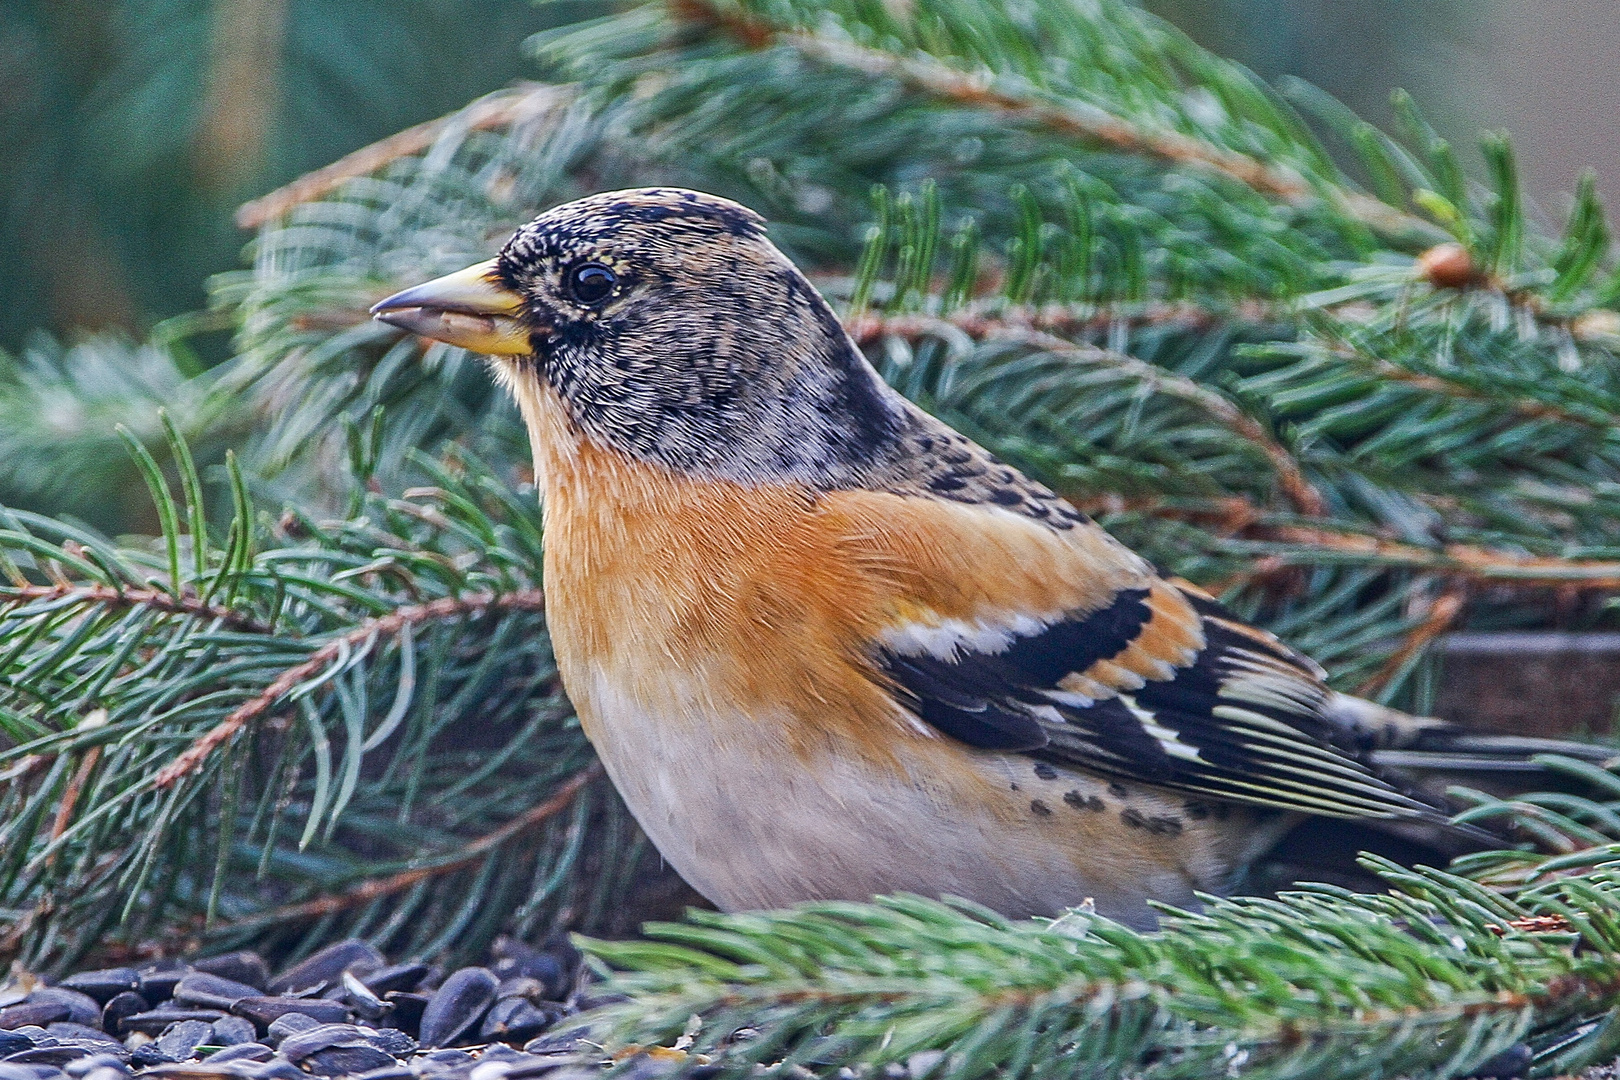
x=828, y=647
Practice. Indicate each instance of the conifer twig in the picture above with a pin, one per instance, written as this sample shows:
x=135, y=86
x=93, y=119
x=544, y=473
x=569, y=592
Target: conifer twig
x=1238, y=516
x=109, y=596
x=1437, y=384
x=1099, y=316
x=1072, y=119
x=1299, y=491
x=501, y=109
x=383, y=626
x=469, y=853
x=70, y=797
x=1442, y=613
x=1485, y=564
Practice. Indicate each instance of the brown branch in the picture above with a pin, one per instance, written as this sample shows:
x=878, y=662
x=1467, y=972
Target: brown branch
x=1299, y=491
x=70, y=797
x=1442, y=614
x=383, y=626
x=1533, y=924
x=1070, y=319
x=156, y=599
x=1484, y=564
x=504, y=108
x=1070, y=118
x=368, y=891
x=1073, y=319
x=1237, y=516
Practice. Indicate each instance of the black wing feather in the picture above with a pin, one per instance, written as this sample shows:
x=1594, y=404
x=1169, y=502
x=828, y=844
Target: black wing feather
x=1243, y=721
x=984, y=699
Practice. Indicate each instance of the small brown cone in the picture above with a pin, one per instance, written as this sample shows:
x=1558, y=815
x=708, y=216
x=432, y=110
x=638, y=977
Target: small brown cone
x=1448, y=266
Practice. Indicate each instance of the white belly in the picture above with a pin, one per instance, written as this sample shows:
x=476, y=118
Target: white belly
x=750, y=825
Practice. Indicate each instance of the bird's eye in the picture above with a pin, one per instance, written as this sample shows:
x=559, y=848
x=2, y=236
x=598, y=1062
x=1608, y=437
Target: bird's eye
x=590, y=283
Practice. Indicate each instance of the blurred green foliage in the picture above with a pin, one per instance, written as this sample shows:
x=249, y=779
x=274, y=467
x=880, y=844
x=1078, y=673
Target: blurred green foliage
x=1356, y=50
x=130, y=130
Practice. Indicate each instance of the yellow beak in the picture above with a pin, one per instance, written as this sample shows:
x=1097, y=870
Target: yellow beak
x=470, y=308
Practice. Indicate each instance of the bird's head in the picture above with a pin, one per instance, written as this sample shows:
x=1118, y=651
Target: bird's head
x=671, y=329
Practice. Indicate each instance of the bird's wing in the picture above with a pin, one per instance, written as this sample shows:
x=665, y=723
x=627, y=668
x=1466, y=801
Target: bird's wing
x=1159, y=684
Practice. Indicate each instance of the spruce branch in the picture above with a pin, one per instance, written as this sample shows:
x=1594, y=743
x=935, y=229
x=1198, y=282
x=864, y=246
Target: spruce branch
x=1305, y=498
x=1434, y=979
x=1280, y=540
x=465, y=855
x=1530, y=408
x=525, y=104
x=367, y=633
x=402, y=657
x=162, y=600
x=1068, y=118
x=1481, y=565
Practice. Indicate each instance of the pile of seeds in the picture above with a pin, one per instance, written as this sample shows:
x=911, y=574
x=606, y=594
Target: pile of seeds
x=343, y=1012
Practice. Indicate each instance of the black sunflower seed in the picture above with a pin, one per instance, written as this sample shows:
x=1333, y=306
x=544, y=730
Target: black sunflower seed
x=103, y=985
x=324, y=967
x=457, y=1006
x=244, y=966
x=212, y=991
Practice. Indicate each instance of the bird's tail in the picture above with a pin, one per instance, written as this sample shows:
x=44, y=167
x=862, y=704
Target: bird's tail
x=1427, y=757
x=1431, y=755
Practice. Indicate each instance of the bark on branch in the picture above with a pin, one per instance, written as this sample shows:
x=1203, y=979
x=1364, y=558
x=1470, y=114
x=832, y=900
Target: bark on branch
x=108, y=596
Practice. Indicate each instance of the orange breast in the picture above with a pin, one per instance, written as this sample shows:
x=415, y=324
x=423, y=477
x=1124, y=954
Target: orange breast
x=715, y=640
x=768, y=596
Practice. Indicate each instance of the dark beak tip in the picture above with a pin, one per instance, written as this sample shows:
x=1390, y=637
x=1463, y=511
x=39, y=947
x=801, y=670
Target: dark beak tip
x=387, y=304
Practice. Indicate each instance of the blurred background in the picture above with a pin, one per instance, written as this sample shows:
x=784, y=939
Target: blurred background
x=131, y=129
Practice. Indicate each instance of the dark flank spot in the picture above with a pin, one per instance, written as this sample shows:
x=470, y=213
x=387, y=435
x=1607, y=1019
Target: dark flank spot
x=1196, y=810
x=946, y=482
x=1045, y=771
x=1006, y=497
x=1082, y=802
x=1158, y=826
x=1013, y=786
x=1036, y=510
x=1117, y=790
x=1040, y=808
